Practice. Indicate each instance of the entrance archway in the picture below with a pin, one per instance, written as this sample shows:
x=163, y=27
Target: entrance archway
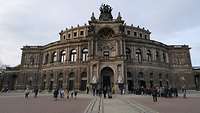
x=13, y=82
x=107, y=78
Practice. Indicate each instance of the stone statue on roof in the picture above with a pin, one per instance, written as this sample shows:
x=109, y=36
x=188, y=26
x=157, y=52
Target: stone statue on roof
x=105, y=13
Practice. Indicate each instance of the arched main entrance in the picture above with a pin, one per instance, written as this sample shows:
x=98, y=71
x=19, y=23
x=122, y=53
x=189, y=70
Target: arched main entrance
x=12, y=82
x=107, y=78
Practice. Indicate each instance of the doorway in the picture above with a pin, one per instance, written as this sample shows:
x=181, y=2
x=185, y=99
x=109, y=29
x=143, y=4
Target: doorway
x=107, y=78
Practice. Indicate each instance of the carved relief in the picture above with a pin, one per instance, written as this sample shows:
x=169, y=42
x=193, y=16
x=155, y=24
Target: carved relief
x=107, y=45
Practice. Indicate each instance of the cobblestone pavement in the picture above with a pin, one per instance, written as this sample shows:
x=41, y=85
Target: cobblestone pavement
x=15, y=103
x=169, y=105
x=42, y=104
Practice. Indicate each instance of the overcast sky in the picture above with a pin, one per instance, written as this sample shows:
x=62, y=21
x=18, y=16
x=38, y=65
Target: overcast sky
x=38, y=22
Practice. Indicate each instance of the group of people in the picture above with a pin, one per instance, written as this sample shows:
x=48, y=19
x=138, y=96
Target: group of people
x=106, y=91
x=57, y=92
x=64, y=93
x=27, y=92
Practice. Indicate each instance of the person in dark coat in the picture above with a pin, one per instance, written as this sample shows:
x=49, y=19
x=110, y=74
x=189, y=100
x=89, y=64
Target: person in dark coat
x=27, y=91
x=154, y=94
x=75, y=93
x=176, y=92
x=87, y=90
x=55, y=94
x=36, y=92
x=104, y=92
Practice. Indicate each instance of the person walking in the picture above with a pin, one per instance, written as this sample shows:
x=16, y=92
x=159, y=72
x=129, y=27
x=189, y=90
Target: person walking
x=62, y=93
x=27, y=93
x=184, y=93
x=72, y=94
x=75, y=93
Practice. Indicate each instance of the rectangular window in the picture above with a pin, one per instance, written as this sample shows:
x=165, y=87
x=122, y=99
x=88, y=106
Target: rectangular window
x=128, y=32
x=75, y=34
x=69, y=35
x=81, y=32
x=145, y=36
x=140, y=35
x=135, y=33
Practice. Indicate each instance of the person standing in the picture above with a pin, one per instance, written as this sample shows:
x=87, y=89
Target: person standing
x=184, y=93
x=154, y=94
x=27, y=93
x=55, y=93
x=87, y=90
x=66, y=93
x=104, y=91
x=36, y=92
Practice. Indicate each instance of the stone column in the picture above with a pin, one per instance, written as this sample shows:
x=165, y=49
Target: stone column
x=121, y=49
x=55, y=80
x=65, y=82
x=79, y=54
x=67, y=54
x=92, y=48
x=58, y=56
x=96, y=47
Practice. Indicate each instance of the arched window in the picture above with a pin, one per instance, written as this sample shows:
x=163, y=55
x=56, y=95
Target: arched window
x=141, y=80
x=140, y=76
x=128, y=54
x=160, y=76
x=149, y=56
x=71, y=81
x=54, y=57
x=73, y=55
x=85, y=54
x=160, y=80
x=46, y=58
x=139, y=55
x=83, y=81
x=157, y=55
x=51, y=81
x=60, y=81
x=44, y=81
x=164, y=57
x=130, y=82
x=151, y=76
x=63, y=56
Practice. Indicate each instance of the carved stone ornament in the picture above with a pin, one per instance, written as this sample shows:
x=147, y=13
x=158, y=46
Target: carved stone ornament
x=91, y=29
x=94, y=80
x=106, y=33
x=93, y=17
x=107, y=45
x=119, y=79
x=105, y=14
